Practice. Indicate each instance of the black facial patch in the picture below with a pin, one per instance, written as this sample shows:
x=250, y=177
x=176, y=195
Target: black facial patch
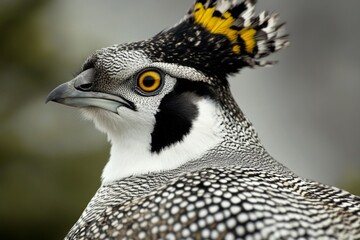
x=176, y=114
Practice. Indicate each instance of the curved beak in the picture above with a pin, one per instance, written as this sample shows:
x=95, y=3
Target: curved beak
x=77, y=93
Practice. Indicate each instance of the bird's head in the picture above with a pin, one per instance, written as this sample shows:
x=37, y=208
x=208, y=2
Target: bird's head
x=165, y=101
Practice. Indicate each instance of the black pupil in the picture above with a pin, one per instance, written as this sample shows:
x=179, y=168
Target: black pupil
x=149, y=81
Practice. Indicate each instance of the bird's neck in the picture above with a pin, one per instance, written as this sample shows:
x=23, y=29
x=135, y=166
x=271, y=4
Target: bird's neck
x=131, y=147
x=219, y=127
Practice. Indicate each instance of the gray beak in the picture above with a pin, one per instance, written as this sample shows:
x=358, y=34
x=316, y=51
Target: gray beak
x=77, y=93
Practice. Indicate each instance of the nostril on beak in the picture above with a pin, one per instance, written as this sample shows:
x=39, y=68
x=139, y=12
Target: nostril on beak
x=84, y=81
x=84, y=87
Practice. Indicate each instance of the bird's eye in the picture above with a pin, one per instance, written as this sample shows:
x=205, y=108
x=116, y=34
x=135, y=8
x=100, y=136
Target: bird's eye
x=149, y=81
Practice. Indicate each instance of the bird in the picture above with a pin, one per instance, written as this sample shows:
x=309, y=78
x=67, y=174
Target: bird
x=185, y=162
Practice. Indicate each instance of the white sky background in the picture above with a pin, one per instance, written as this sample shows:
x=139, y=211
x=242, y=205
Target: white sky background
x=306, y=109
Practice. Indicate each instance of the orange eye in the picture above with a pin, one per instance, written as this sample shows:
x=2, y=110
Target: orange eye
x=149, y=81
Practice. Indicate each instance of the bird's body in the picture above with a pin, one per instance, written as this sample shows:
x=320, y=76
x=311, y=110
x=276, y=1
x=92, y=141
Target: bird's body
x=185, y=162
x=229, y=202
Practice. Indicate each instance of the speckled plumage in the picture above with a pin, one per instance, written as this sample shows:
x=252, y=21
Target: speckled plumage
x=212, y=179
x=230, y=203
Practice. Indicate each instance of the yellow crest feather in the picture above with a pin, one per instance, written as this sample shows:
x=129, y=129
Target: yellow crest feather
x=222, y=25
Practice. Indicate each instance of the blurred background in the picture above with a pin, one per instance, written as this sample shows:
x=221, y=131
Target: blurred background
x=306, y=108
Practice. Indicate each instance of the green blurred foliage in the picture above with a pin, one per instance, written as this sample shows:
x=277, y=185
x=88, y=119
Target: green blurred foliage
x=350, y=181
x=42, y=194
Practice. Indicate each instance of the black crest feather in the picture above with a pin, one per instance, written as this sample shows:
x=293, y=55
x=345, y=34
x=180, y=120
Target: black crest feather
x=220, y=37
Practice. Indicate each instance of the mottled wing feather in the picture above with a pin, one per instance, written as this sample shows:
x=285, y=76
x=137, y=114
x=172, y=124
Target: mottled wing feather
x=232, y=203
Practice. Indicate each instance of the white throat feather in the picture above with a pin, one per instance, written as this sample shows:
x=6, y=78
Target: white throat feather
x=130, y=138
